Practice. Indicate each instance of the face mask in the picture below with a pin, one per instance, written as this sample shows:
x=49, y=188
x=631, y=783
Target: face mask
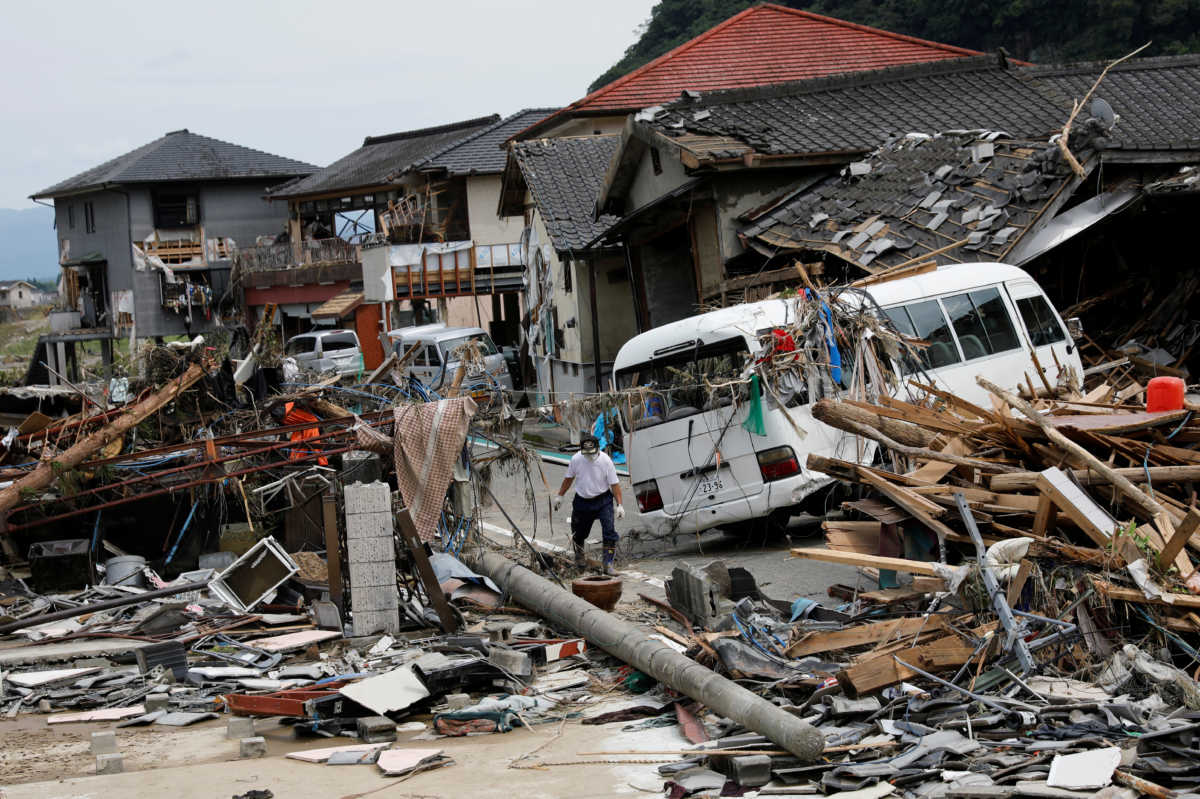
x=591, y=456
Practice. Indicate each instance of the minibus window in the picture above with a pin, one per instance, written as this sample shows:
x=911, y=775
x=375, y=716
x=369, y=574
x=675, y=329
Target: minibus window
x=1039, y=320
x=929, y=324
x=981, y=322
x=679, y=377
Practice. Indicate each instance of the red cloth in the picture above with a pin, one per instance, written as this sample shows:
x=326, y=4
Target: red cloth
x=293, y=415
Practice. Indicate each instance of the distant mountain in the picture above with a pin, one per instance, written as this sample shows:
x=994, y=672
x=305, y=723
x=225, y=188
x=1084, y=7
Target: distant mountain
x=27, y=243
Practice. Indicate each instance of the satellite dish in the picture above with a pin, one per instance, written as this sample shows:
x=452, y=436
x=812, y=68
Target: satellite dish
x=1102, y=111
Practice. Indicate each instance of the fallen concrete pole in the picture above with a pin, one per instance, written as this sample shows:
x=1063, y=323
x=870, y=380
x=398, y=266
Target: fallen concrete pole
x=634, y=646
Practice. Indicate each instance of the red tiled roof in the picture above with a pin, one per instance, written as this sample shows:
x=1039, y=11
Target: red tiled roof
x=763, y=44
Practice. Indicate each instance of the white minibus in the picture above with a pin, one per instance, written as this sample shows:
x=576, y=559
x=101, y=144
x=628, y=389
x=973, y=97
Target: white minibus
x=694, y=464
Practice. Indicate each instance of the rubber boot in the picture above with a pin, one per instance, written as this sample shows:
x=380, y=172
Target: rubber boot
x=580, y=560
x=610, y=554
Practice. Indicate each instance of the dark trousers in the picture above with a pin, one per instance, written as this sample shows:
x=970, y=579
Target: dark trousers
x=584, y=511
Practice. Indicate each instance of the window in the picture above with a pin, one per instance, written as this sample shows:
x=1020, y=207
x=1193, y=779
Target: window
x=448, y=346
x=176, y=210
x=301, y=345
x=1040, y=321
x=568, y=268
x=655, y=161
x=338, y=341
x=89, y=218
x=926, y=322
x=71, y=216
x=981, y=322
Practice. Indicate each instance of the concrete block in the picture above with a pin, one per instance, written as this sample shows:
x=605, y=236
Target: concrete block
x=111, y=763
x=458, y=701
x=372, y=575
x=369, y=622
x=104, y=743
x=360, y=466
x=367, y=498
x=155, y=702
x=376, y=729
x=239, y=727
x=92, y=663
x=380, y=549
x=750, y=771
x=253, y=747
x=44, y=706
x=516, y=663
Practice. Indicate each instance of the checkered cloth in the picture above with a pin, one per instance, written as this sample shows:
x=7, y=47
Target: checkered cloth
x=429, y=438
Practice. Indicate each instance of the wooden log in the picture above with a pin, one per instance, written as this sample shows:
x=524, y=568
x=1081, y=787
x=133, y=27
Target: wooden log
x=1133, y=595
x=907, y=500
x=47, y=470
x=1021, y=481
x=843, y=414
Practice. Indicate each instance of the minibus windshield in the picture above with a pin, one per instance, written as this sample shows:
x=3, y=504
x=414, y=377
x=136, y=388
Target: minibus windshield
x=677, y=376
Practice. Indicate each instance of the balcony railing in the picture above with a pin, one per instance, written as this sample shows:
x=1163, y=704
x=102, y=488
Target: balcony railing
x=290, y=255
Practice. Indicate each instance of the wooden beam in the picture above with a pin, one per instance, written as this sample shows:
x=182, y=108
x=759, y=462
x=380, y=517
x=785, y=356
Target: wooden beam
x=1018, y=582
x=883, y=671
x=863, y=561
x=1175, y=545
x=416, y=548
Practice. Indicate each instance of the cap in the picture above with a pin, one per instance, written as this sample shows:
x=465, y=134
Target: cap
x=588, y=445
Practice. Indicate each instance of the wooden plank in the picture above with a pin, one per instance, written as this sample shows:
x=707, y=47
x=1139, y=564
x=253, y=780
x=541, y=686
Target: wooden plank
x=876, y=632
x=1045, y=516
x=433, y=590
x=913, y=503
x=1018, y=582
x=1094, y=520
x=1182, y=534
x=856, y=559
x=1111, y=591
x=1018, y=481
x=935, y=471
x=883, y=671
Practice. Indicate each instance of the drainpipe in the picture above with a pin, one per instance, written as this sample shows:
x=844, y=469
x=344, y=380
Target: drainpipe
x=633, y=645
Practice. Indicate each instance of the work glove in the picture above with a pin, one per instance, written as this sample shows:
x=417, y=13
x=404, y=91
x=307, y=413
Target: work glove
x=620, y=511
x=557, y=502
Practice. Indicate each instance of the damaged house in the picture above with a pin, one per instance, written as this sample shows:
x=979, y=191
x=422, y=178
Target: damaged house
x=407, y=219
x=761, y=178
x=557, y=165
x=146, y=240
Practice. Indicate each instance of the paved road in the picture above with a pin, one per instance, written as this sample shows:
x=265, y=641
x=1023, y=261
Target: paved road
x=778, y=575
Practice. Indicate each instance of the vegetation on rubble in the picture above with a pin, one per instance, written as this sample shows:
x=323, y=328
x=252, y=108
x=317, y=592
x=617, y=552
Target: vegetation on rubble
x=1043, y=31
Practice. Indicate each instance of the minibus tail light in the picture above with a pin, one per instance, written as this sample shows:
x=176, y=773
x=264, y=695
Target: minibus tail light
x=777, y=463
x=648, y=497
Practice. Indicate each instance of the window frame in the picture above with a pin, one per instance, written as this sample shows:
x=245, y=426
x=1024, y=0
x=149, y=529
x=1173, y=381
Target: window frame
x=1053, y=319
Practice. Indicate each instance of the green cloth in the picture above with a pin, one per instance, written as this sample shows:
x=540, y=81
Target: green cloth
x=754, y=419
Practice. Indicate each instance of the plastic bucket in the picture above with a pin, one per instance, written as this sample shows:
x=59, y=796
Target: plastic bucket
x=1164, y=394
x=125, y=570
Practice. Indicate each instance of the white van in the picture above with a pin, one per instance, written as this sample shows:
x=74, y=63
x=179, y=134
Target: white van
x=695, y=466
x=327, y=351
x=434, y=363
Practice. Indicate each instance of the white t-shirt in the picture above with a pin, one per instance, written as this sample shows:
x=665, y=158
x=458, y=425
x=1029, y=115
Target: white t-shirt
x=592, y=478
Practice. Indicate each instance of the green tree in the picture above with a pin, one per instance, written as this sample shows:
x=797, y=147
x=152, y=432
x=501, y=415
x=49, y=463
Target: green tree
x=1043, y=31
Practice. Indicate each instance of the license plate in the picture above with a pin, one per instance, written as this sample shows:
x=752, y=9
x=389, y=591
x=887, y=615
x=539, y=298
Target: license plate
x=711, y=486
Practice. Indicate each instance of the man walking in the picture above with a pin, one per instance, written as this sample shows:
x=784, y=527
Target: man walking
x=596, y=485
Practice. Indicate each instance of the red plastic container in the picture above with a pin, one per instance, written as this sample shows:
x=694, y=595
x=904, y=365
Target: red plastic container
x=1164, y=394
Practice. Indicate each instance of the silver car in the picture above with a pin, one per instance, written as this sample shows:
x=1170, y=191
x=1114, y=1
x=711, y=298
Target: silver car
x=434, y=365
x=327, y=351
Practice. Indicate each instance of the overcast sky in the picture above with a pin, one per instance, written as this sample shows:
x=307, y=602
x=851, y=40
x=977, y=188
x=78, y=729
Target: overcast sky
x=86, y=81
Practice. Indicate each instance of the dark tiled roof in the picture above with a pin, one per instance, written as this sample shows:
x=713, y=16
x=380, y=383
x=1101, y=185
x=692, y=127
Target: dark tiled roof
x=564, y=176
x=854, y=113
x=761, y=45
x=919, y=195
x=182, y=155
x=1156, y=98
x=480, y=153
x=383, y=158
